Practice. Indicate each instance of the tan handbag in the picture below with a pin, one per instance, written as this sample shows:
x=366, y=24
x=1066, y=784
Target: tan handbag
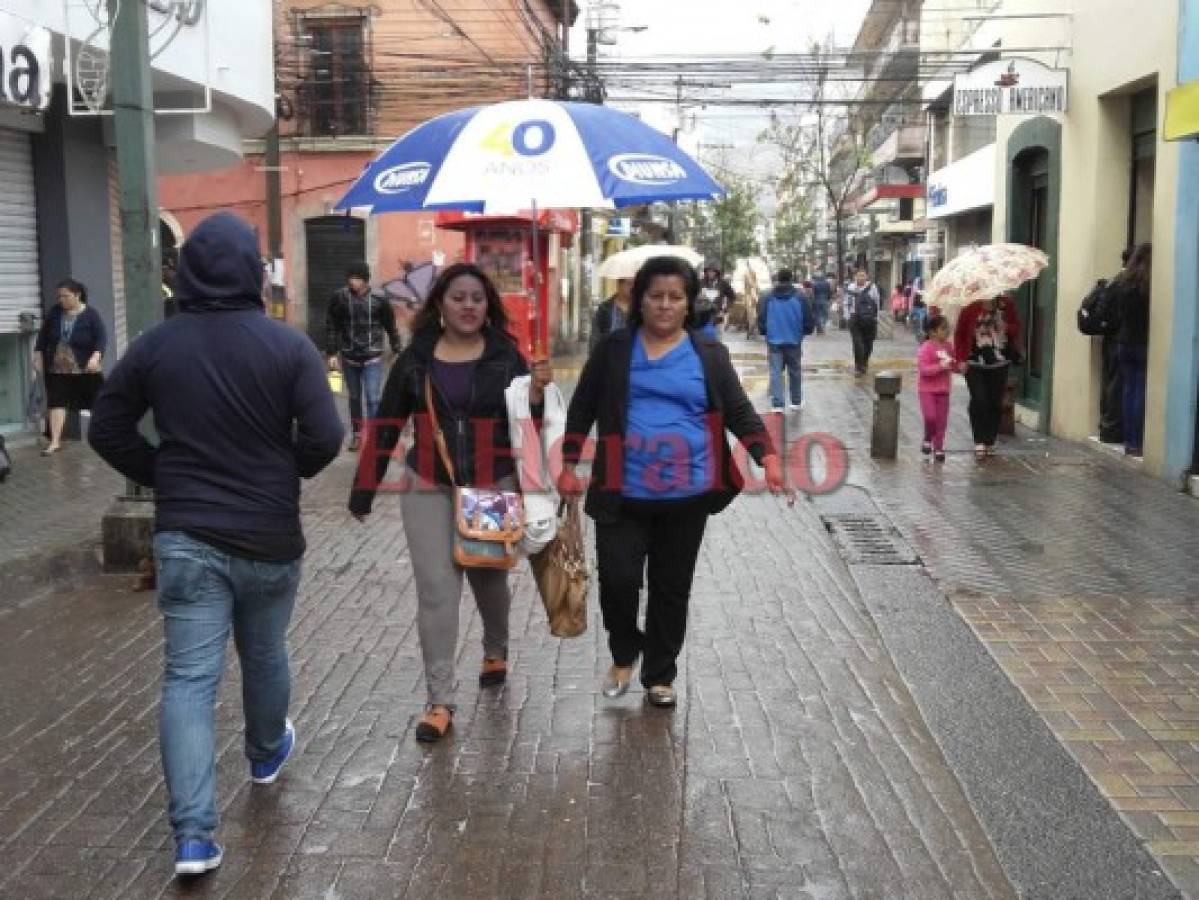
x=562, y=576
x=488, y=524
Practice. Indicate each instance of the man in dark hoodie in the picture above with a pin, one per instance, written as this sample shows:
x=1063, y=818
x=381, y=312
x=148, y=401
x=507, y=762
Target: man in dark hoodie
x=242, y=408
x=784, y=317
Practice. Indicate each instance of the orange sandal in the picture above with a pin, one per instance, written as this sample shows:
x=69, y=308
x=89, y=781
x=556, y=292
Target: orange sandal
x=433, y=726
x=495, y=672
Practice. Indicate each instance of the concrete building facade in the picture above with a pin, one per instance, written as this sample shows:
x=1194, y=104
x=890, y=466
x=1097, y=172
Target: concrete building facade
x=59, y=209
x=354, y=76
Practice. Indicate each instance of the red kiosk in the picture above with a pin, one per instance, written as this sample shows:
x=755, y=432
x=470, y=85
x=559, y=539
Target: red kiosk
x=502, y=246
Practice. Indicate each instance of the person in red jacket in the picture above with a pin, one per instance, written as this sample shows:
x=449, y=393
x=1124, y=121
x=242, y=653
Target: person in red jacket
x=987, y=339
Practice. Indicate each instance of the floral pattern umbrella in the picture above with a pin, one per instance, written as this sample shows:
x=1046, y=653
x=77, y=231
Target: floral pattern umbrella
x=985, y=272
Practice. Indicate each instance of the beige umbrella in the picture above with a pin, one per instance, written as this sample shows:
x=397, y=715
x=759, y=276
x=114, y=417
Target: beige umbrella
x=981, y=273
x=626, y=263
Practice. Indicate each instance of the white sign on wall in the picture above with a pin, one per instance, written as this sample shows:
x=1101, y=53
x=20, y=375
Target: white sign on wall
x=1016, y=86
x=964, y=185
x=25, y=73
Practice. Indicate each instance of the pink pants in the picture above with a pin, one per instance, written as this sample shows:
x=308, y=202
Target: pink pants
x=935, y=409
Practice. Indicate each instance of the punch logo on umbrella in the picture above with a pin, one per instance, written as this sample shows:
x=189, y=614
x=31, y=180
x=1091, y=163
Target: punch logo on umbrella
x=645, y=168
x=402, y=178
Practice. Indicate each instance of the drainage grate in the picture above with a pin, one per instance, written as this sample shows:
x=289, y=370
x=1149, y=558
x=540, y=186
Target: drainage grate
x=869, y=540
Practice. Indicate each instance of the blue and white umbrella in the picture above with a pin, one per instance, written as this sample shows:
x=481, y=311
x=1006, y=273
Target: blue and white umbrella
x=526, y=154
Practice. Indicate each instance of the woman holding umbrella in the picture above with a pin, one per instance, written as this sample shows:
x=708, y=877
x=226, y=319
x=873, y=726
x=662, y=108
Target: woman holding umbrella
x=462, y=357
x=662, y=394
x=988, y=339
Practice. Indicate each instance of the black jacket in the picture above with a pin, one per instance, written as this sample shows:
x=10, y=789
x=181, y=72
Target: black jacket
x=466, y=435
x=241, y=402
x=87, y=336
x=1132, y=311
x=355, y=326
x=602, y=399
x=601, y=323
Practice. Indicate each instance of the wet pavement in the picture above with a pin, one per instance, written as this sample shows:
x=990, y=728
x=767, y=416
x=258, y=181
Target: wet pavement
x=798, y=764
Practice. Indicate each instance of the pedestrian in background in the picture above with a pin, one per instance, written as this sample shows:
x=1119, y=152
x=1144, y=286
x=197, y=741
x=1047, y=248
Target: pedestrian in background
x=784, y=318
x=243, y=411
x=462, y=349
x=719, y=295
x=899, y=304
x=987, y=339
x=935, y=365
x=918, y=315
x=610, y=315
x=822, y=298
x=1132, y=288
x=69, y=353
x=661, y=394
x=862, y=303
x=357, y=321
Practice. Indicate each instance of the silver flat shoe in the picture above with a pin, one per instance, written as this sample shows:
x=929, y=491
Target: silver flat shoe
x=613, y=686
x=661, y=695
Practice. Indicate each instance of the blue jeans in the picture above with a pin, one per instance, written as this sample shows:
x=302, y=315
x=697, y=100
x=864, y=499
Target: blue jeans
x=366, y=378
x=1134, y=361
x=203, y=594
x=785, y=355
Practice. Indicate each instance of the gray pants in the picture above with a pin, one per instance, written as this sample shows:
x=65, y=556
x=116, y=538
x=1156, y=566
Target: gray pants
x=428, y=516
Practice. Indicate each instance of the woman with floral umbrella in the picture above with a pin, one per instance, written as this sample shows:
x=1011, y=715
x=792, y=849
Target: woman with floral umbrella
x=988, y=336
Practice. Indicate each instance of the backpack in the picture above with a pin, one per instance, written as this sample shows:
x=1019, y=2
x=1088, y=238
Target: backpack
x=5, y=460
x=865, y=306
x=1098, y=314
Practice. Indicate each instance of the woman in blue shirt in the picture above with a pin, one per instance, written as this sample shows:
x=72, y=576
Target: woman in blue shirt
x=662, y=395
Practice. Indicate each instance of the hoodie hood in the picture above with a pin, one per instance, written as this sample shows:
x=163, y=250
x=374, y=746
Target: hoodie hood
x=219, y=267
x=785, y=290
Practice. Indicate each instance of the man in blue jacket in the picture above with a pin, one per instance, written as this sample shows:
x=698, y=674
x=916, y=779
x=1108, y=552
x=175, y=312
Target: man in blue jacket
x=783, y=321
x=243, y=411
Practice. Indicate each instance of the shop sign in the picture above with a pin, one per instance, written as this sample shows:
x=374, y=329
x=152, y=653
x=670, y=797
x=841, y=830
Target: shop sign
x=620, y=226
x=1016, y=86
x=25, y=73
x=964, y=185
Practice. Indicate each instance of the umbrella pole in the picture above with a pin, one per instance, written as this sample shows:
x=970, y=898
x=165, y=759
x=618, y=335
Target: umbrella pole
x=537, y=348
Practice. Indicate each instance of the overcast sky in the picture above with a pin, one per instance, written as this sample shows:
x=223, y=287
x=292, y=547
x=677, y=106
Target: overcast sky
x=721, y=26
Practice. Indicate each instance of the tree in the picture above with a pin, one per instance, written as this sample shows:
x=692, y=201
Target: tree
x=794, y=221
x=824, y=151
x=733, y=220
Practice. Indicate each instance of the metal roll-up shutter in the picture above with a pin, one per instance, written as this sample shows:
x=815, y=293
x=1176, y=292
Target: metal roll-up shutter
x=116, y=249
x=20, y=284
x=332, y=243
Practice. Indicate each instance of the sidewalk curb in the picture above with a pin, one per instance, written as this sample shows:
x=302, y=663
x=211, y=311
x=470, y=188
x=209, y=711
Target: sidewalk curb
x=1054, y=834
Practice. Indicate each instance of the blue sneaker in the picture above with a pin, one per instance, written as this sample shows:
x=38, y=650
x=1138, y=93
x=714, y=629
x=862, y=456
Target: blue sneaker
x=267, y=772
x=195, y=857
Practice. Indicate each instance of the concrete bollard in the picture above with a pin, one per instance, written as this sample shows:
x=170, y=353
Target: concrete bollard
x=884, y=434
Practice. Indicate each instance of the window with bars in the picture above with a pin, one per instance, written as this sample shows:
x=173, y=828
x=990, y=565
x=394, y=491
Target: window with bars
x=335, y=95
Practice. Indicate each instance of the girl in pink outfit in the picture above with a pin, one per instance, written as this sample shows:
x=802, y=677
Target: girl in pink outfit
x=935, y=364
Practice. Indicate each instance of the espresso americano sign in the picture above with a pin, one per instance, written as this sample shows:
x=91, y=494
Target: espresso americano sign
x=1016, y=86
x=25, y=75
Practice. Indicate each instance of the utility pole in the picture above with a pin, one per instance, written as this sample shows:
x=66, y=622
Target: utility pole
x=274, y=217
x=127, y=527
x=137, y=168
x=593, y=94
x=674, y=204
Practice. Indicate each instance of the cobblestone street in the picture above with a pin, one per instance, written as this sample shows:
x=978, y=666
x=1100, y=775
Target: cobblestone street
x=804, y=759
